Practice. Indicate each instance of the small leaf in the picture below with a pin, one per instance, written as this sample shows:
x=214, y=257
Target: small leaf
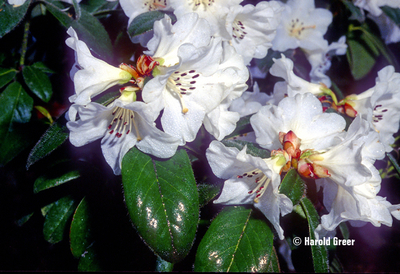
x=55, y=177
x=207, y=192
x=24, y=219
x=145, y=21
x=252, y=148
x=242, y=126
x=45, y=113
x=266, y=63
x=392, y=13
x=44, y=210
x=356, y=13
x=293, y=186
x=54, y=137
x=235, y=242
x=6, y=76
x=89, y=261
x=162, y=201
x=393, y=161
x=344, y=230
x=80, y=235
x=42, y=67
x=56, y=219
x=38, y=82
x=97, y=6
x=10, y=16
x=319, y=252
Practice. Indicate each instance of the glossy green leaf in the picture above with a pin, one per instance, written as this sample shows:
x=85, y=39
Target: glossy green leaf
x=6, y=76
x=356, y=13
x=16, y=107
x=319, y=252
x=21, y=221
x=163, y=202
x=235, y=242
x=274, y=265
x=80, y=235
x=89, y=261
x=54, y=137
x=56, y=219
x=242, y=126
x=38, y=82
x=42, y=67
x=98, y=6
x=55, y=177
x=145, y=21
x=44, y=210
x=10, y=16
x=88, y=28
x=392, y=13
x=252, y=148
x=293, y=186
x=207, y=192
x=163, y=266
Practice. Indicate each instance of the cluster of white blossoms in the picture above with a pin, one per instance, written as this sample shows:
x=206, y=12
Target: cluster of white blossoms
x=194, y=74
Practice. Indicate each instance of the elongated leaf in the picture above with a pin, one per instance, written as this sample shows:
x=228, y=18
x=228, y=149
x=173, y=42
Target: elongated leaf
x=55, y=177
x=235, y=242
x=16, y=107
x=163, y=202
x=57, y=218
x=207, y=192
x=97, y=6
x=252, y=148
x=360, y=58
x=42, y=67
x=242, y=126
x=319, y=252
x=6, y=76
x=89, y=260
x=21, y=221
x=88, y=28
x=10, y=16
x=80, y=236
x=145, y=21
x=38, y=82
x=356, y=13
x=54, y=137
x=393, y=13
x=393, y=161
x=293, y=186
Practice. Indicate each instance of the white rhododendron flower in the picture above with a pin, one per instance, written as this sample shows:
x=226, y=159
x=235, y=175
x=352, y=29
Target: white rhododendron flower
x=123, y=124
x=91, y=76
x=252, y=28
x=191, y=80
x=320, y=60
x=133, y=8
x=250, y=180
x=302, y=25
x=301, y=114
x=373, y=6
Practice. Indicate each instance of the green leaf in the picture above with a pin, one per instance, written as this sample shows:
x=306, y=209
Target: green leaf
x=319, y=252
x=266, y=63
x=80, y=236
x=11, y=16
x=235, y=242
x=392, y=13
x=274, y=265
x=145, y=21
x=24, y=219
x=163, y=266
x=42, y=67
x=207, y=192
x=393, y=161
x=293, y=186
x=58, y=175
x=16, y=107
x=162, y=201
x=88, y=28
x=344, y=230
x=44, y=210
x=54, y=137
x=38, y=82
x=6, y=76
x=242, y=126
x=356, y=13
x=360, y=58
x=89, y=261
x=57, y=218
x=252, y=148
x=97, y=6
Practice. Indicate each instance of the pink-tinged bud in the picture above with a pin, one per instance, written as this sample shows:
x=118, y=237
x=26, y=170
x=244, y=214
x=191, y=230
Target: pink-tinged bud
x=291, y=144
x=145, y=65
x=350, y=111
x=320, y=172
x=129, y=69
x=311, y=170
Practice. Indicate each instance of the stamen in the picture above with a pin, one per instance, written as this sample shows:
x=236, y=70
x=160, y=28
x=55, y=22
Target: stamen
x=296, y=28
x=122, y=123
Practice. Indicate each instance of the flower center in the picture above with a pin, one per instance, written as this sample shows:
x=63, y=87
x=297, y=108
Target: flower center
x=238, y=30
x=296, y=28
x=204, y=3
x=260, y=179
x=182, y=83
x=155, y=4
x=123, y=122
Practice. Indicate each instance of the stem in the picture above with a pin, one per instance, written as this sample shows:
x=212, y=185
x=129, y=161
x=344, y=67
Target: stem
x=24, y=44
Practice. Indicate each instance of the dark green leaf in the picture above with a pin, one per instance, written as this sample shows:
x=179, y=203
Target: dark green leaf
x=356, y=13
x=16, y=106
x=163, y=266
x=145, y=21
x=107, y=97
x=293, y=186
x=42, y=67
x=6, y=76
x=266, y=63
x=38, y=82
x=319, y=252
x=80, y=235
x=97, y=6
x=50, y=140
x=44, y=210
x=344, y=230
x=89, y=260
x=57, y=218
x=393, y=13
x=163, y=202
x=242, y=126
x=274, y=265
x=24, y=219
x=88, y=28
x=252, y=148
x=207, y=192
x=235, y=242
x=360, y=58
x=55, y=177
x=10, y=16
x=393, y=161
